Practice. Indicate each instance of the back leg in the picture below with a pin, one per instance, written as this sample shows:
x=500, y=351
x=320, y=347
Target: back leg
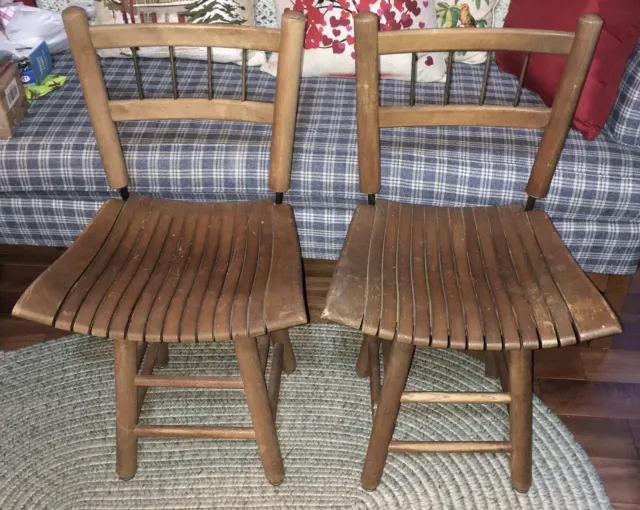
x=362, y=365
x=288, y=358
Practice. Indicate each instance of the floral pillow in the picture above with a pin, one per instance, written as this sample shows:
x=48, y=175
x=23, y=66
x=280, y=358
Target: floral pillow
x=329, y=41
x=235, y=12
x=466, y=14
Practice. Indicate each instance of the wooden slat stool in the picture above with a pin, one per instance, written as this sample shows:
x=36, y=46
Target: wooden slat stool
x=148, y=270
x=479, y=278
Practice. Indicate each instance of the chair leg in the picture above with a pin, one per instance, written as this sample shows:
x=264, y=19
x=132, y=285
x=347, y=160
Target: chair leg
x=126, y=408
x=387, y=413
x=520, y=383
x=162, y=358
x=255, y=389
x=288, y=358
x=362, y=365
x=490, y=366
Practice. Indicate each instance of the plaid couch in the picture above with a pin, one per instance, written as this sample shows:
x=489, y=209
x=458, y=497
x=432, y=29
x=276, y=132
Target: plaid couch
x=52, y=180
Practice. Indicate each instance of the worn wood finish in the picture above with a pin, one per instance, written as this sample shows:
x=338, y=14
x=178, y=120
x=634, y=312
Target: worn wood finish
x=292, y=27
x=287, y=42
x=464, y=115
x=495, y=278
x=386, y=414
x=491, y=39
x=520, y=416
x=449, y=446
x=126, y=408
x=436, y=397
x=259, y=407
x=367, y=101
x=95, y=94
x=191, y=108
x=143, y=286
x=184, y=431
x=176, y=381
x=144, y=35
x=564, y=105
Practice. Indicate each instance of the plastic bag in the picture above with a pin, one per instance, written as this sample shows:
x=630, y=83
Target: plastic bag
x=26, y=27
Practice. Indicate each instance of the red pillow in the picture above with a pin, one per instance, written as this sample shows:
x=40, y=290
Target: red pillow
x=619, y=36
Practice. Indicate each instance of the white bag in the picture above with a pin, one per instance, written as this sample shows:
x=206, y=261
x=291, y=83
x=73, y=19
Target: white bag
x=26, y=27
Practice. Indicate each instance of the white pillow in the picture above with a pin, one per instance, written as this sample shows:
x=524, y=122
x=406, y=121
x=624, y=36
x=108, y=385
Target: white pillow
x=329, y=40
x=180, y=11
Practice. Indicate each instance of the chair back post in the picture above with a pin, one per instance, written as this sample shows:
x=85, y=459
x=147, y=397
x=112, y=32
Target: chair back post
x=564, y=105
x=368, y=102
x=95, y=94
x=286, y=100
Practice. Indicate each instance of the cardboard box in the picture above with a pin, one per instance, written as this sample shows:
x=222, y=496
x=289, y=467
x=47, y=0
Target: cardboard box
x=37, y=66
x=13, y=102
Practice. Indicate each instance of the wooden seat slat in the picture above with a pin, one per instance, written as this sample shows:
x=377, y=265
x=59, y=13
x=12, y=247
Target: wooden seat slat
x=527, y=279
x=474, y=331
x=371, y=319
x=421, y=312
x=555, y=301
x=455, y=314
x=404, y=277
x=592, y=315
x=73, y=301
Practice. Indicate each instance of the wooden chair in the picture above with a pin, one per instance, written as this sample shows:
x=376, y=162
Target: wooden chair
x=479, y=278
x=161, y=271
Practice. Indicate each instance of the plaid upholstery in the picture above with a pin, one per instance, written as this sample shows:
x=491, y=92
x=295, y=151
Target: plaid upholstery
x=52, y=177
x=624, y=121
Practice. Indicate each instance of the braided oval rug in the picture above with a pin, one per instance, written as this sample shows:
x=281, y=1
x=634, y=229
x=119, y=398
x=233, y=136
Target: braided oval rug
x=57, y=439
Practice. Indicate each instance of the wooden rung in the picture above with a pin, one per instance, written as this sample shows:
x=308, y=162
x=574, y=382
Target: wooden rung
x=435, y=397
x=174, y=381
x=274, y=378
x=449, y=446
x=197, y=432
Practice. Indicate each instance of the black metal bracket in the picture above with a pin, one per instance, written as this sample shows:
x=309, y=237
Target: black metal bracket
x=279, y=197
x=531, y=202
x=124, y=193
x=371, y=199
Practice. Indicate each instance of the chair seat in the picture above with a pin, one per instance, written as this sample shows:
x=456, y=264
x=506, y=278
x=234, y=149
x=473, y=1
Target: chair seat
x=464, y=278
x=163, y=270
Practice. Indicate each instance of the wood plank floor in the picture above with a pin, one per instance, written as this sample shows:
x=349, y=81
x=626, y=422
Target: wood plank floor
x=596, y=393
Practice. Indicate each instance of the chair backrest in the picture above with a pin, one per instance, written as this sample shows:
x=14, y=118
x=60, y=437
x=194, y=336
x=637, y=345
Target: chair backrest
x=104, y=113
x=578, y=47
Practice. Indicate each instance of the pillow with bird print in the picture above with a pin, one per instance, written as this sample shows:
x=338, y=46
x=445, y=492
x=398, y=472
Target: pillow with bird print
x=466, y=14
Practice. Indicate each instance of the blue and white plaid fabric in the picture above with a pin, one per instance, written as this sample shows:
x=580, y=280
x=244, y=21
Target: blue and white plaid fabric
x=52, y=180
x=624, y=121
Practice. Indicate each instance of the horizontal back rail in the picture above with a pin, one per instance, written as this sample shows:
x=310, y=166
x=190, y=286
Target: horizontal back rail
x=464, y=115
x=174, y=34
x=491, y=39
x=191, y=109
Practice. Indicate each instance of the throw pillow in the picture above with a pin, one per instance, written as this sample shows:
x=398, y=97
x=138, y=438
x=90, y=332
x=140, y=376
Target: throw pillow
x=619, y=36
x=466, y=14
x=329, y=40
x=235, y=12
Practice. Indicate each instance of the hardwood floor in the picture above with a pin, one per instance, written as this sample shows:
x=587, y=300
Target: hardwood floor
x=596, y=393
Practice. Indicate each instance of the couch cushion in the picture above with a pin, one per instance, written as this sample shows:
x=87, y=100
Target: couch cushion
x=624, y=121
x=53, y=160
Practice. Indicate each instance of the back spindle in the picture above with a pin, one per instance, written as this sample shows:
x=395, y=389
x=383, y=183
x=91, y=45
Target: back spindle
x=525, y=64
x=209, y=73
x=412, y=93
x=136, y=67
x=485, y=78
x=174, y=78
x=447, y=86
x=244, y=75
